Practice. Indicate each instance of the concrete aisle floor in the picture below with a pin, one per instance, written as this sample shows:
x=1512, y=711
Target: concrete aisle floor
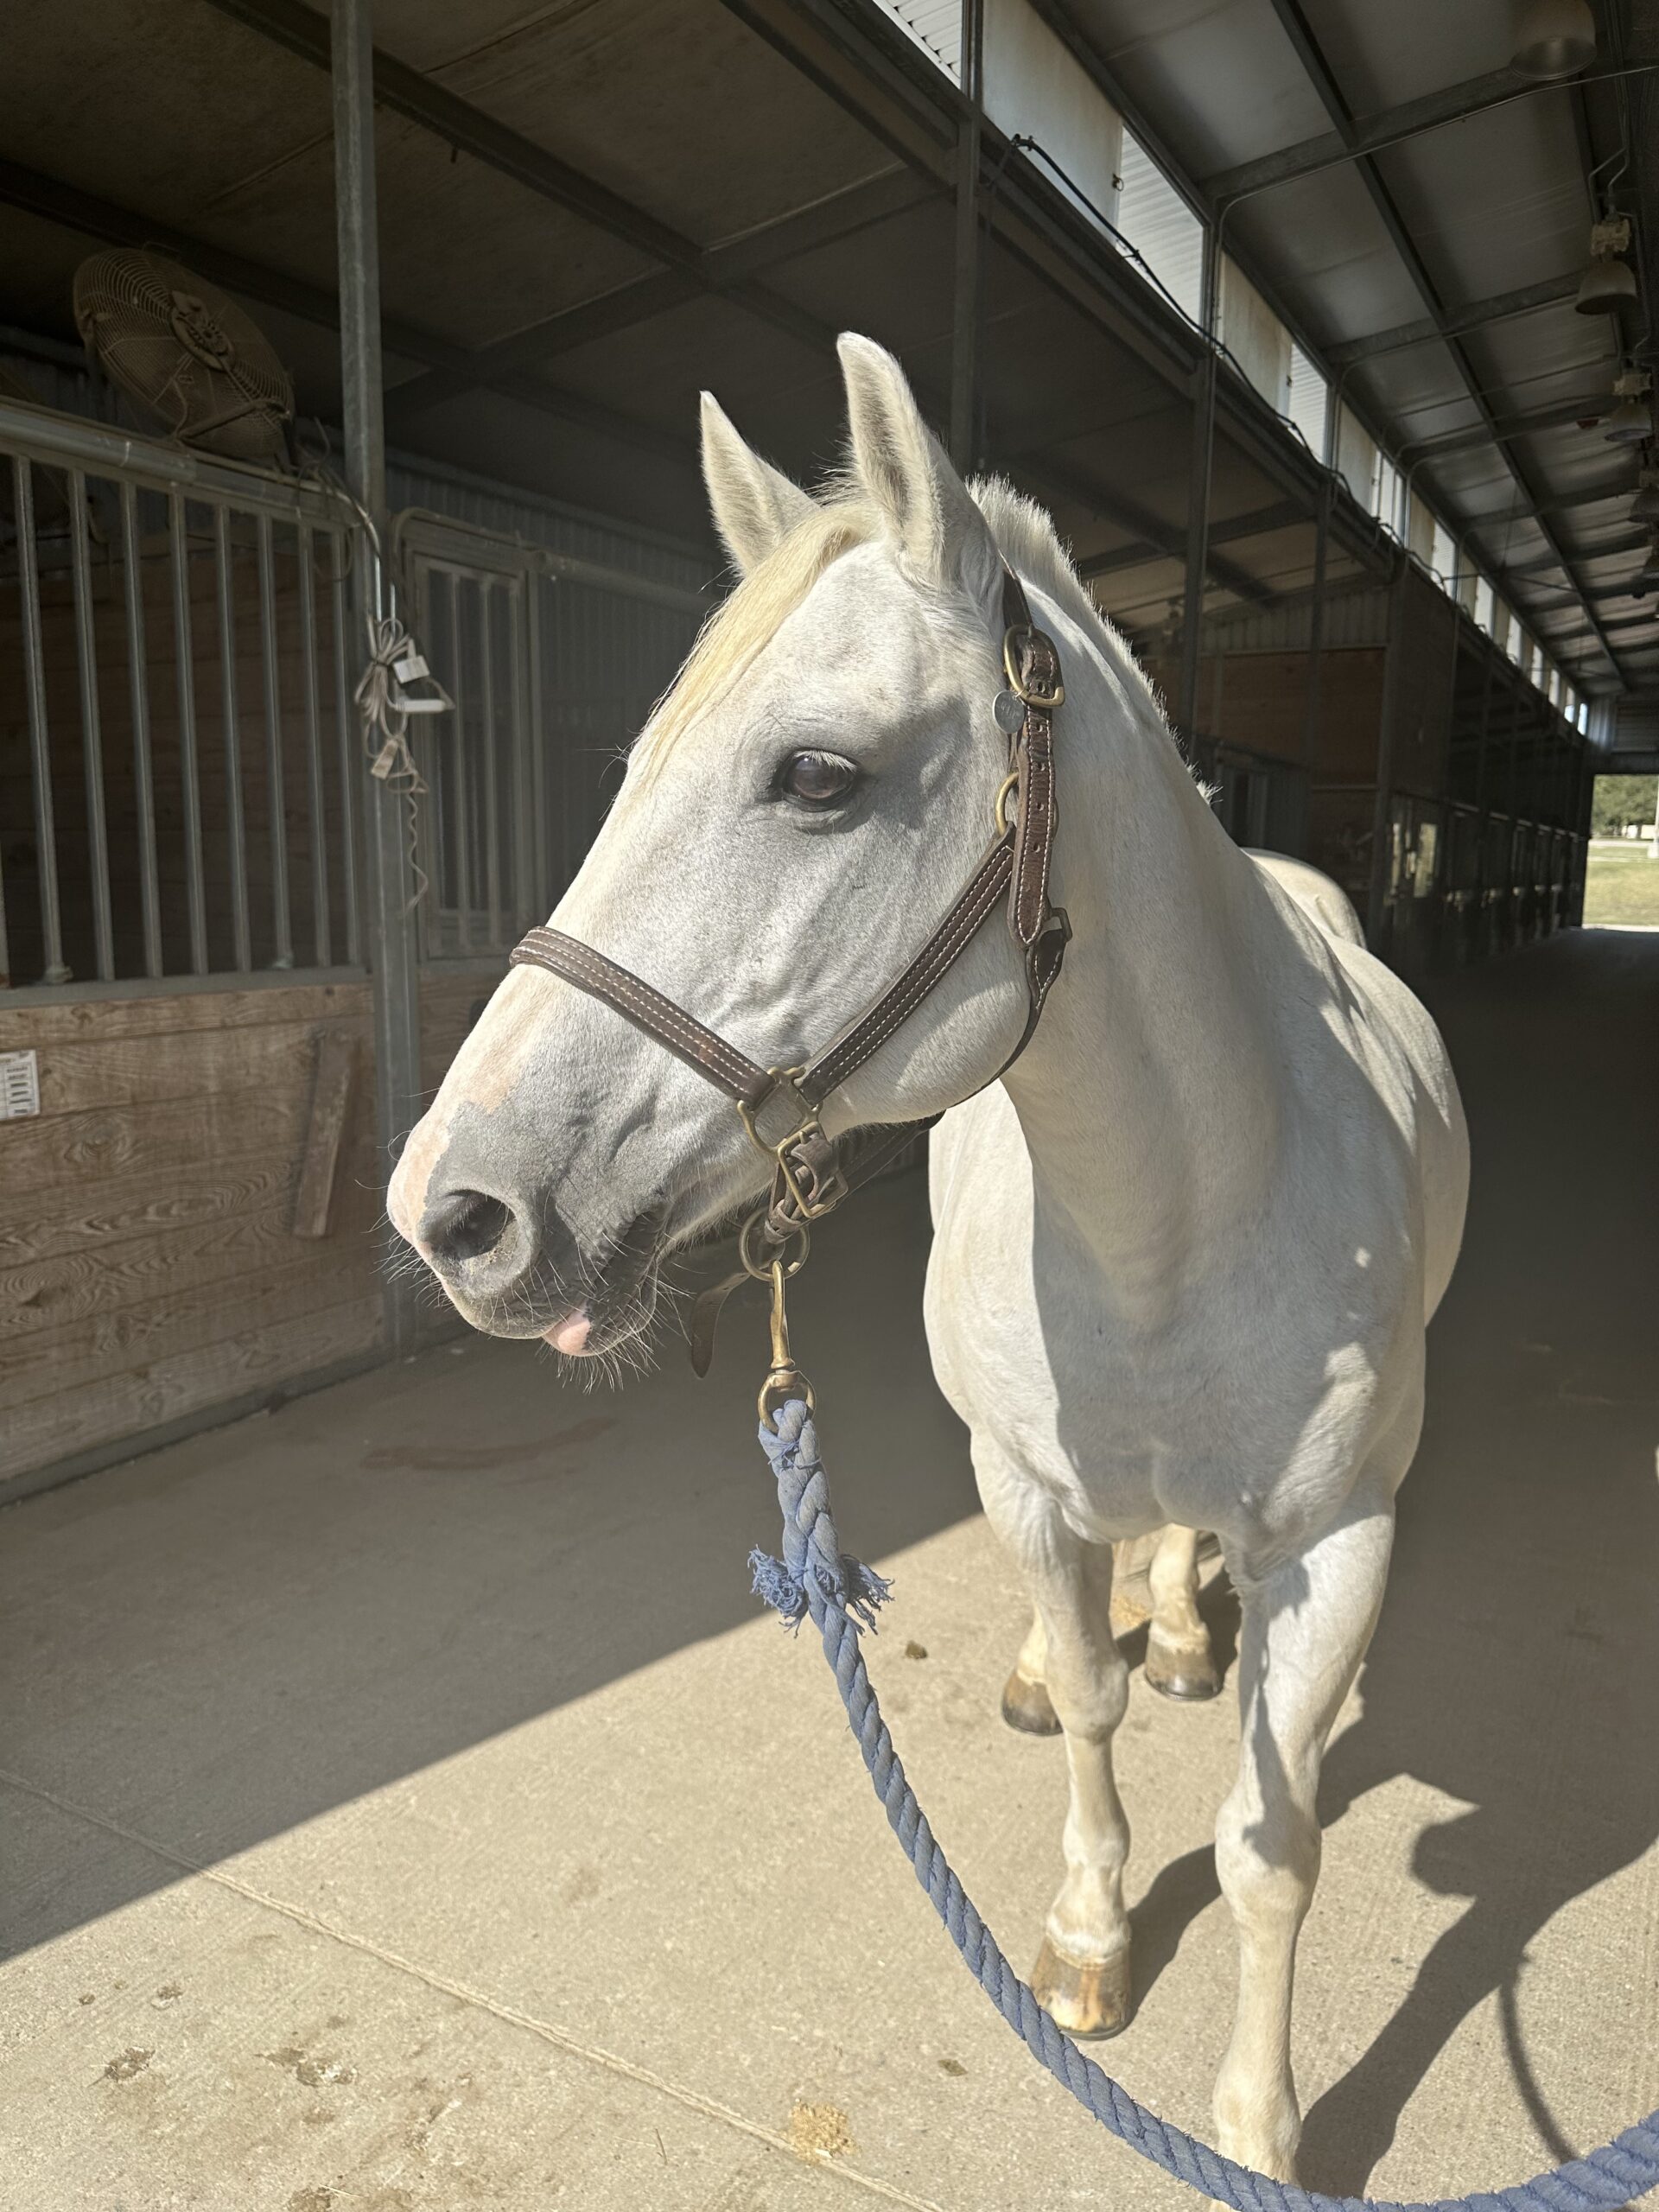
x=407, y=1808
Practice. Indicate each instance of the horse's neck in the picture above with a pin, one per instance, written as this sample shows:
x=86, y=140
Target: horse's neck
x=1151, y=1097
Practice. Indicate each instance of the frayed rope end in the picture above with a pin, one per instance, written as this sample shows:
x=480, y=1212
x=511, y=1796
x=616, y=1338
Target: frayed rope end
x=856, y=1592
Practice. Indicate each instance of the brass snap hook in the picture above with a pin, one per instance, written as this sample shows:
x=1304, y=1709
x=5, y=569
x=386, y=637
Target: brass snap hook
x=784, y=1380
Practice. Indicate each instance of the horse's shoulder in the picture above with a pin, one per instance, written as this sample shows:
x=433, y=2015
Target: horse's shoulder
x=1314, y=892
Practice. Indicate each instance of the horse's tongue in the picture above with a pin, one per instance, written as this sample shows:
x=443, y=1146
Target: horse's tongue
x=569, y=1335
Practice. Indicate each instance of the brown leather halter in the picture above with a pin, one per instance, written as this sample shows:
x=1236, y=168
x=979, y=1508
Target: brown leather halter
x=812, y=1172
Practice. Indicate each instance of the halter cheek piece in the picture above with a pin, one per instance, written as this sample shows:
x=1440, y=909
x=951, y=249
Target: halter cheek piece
x=812, y=1172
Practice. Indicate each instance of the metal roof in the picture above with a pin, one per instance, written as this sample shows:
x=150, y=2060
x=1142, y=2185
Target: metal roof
x=588, y=214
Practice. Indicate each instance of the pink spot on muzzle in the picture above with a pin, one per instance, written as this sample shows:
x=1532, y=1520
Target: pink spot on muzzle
x=569, y=1335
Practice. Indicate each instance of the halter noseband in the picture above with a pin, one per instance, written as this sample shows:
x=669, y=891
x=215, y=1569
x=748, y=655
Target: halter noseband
x=812, y=1172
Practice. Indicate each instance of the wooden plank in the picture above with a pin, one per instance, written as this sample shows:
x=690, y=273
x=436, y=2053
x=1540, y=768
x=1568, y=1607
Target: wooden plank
x=44, y=1294
x=144, y=1070
x=164, y=1013
x=125, y=1404
x=330, y=1098
x=98, y=1217
x=61, y=1362
x=170, y=1140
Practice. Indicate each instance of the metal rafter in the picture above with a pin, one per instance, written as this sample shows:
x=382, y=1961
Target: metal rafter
x=1257, y=523
x=1371, y=134
x=827, y=222
x=1635, y=542
x=410, y=93
x=101, y=219
x=1307, y=49
x=1502, y=307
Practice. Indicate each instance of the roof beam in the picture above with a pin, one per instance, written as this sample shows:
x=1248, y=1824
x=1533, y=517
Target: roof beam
x=827, y=222
x=113, y=225
x=1256, y=523
x=407, y=93
x=1370, y=135
x=1168, y=540
x=1306, y=47
x=1502, y=307
x=1497, y=430
x=1636, y=541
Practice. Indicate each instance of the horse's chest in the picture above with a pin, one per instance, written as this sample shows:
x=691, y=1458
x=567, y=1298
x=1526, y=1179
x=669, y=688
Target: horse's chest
x=1198, y=1406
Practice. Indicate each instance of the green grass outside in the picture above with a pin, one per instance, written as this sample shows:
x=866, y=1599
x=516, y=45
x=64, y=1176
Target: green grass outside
x=1621, y=886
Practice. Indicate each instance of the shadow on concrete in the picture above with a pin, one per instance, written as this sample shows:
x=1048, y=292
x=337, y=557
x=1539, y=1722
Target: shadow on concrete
x=220, y=1642
x=1514, y=1663
x=214, y=1643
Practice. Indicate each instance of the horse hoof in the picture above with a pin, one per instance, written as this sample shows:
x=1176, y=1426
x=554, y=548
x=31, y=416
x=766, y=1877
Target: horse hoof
x=1026, y=1706
x=1189, y=1676
x=1087, y=2002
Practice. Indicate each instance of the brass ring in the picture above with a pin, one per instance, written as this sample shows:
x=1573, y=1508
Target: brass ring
x=1005, y=791
x=761, y=1270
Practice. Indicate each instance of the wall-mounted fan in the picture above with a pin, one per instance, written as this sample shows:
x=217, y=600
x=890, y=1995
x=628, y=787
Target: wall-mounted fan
x=185, y=353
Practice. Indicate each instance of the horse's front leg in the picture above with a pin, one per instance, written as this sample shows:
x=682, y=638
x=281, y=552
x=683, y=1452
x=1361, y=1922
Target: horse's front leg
x=1081, y=1973
x=1306, y=1625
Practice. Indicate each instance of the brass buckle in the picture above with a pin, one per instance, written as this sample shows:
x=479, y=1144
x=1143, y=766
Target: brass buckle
x=1017, y=684
x=810, y=1209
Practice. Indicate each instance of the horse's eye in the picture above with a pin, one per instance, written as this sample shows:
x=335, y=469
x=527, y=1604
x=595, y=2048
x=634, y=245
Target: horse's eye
x=819, y=779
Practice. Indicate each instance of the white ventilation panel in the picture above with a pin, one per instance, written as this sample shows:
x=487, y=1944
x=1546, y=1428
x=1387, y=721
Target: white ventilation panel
x=19, y=1086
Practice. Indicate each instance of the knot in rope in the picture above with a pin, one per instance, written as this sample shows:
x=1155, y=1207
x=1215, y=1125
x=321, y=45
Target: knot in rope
x=814, y=1576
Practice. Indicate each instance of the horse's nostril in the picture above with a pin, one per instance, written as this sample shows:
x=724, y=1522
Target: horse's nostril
x=465, y=1226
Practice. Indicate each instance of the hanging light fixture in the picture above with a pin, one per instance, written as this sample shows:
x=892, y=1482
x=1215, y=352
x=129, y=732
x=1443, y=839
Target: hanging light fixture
x=1554, y=39
x=1631, y=423
x=1645, y=506
x=1609, y=281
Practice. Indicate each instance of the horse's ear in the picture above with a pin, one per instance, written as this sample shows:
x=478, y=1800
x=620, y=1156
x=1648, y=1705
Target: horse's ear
x=941, y=536
x=754, y=504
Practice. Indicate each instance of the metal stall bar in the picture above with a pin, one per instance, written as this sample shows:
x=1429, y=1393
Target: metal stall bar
x=492, y=782
x=91, y=736
x=235, y=826
x=964, y=331
x=539, y=887
x=525, y=784
x=461, y=758
x=345, y=735
x=321, y=937
x=39, y=747
x=392, y=940
x=281, y=918
x=189, y=762
x=142, y=768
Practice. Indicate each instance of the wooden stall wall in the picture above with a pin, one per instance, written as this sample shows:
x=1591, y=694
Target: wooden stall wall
x=151, y=1258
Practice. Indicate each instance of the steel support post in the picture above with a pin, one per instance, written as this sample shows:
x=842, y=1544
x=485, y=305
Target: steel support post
x=965, y=316
x=1382, y=808
x=1198, y=500
x=390, y=884
x=1315, y=661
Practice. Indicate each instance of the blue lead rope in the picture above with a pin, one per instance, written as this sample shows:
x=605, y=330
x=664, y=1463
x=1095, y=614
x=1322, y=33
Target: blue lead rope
x=817, y=1578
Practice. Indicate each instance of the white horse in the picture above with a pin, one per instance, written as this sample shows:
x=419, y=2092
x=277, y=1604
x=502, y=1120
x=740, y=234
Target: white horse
x=1184, y=1253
